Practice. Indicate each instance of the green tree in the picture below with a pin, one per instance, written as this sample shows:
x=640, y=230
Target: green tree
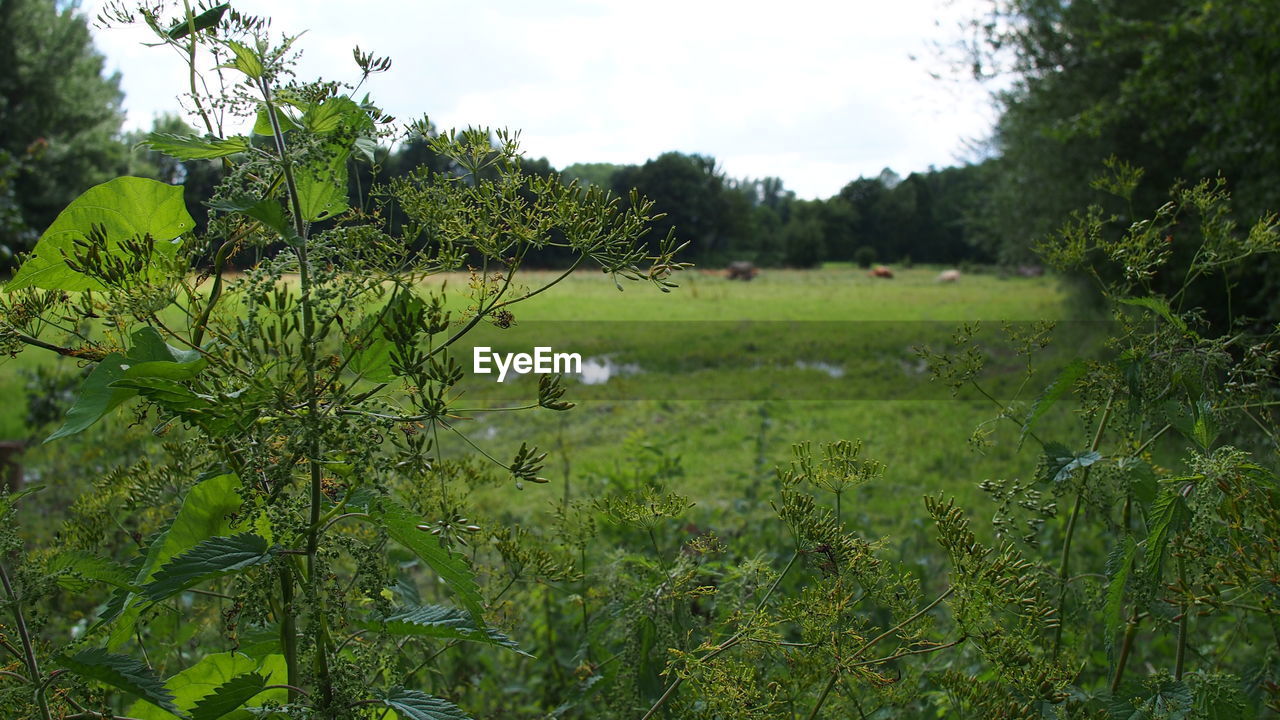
x=58, y=117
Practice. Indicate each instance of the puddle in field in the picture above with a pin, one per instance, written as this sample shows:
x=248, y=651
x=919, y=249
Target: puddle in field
x=598, y=370
x=832, y=370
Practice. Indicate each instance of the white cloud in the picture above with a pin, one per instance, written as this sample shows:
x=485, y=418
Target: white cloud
x=815, y=92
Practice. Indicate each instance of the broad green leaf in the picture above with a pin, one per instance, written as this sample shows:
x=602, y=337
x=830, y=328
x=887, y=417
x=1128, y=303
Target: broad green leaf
x=336, y=113
x=322, y=188
x=1118, y=569
x=417, y=705
x=194, y=147
x=75, y=570
x=368, y=349
x=402, y=526
x=204, y=514
x=1142, y=480
x=1060, y=463
x=121, y=672
x=262, y=125
x=205, y=20
x=125, y=208
x=201, y=682
x=1058, y=388
x=1169, y=514
x=246, y=60
x=1161, y=308
x=99, y=395
x=228, y=697
x=166, y=369
x=267, y=211
x=212, y=558
x=440, y=621
x=168, y=394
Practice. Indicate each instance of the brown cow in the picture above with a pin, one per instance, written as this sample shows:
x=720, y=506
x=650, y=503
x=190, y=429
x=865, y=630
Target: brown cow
x=881, y=271
x=741, y=270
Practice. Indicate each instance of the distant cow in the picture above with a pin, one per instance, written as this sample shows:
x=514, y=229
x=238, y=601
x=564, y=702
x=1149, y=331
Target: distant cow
x=948, y=276
x=741, y=270
x=881, y=271
x=1030, y=270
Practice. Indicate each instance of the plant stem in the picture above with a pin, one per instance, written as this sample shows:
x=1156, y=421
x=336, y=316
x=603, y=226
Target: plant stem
x=1126, y=647
x=822, y=699
x=1064, y=566
x=1181, y=657
x=288, y=629
x=33, y=665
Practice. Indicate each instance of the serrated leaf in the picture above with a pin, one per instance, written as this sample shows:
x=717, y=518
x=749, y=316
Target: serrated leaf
x=267, y=211
x=205, y=20
x=74, y=570
x=417, y=705
x=368, y=349
x=123, y=673
x=210, y=559
x=1161, y=308
x=335, y=113
x=1169, y=514
x=1061, y=462
x=228, y=697
x=322, y=188
x=200, y=681
x=440, y=621
x=194, y=147
x=98, y=393
x=204, y=512
x=124, y=208
x=1118, y=567
x=262, y=125
x=246, y=60
x=1060, y=386
x=402, y=526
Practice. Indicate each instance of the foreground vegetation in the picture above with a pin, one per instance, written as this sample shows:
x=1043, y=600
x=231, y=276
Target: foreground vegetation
x=294, y=502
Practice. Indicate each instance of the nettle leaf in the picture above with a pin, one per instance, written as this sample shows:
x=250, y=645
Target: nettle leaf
x=124, y=208
x=262, y=125
x=334, y=114
x=229, y=697
x=75, y=570
x=246, y=60
x=194, y=147
x=1052, y=394
x=267, y=211
x=212, y=558
x=100, y=394
x=1060, y=462
x=166, y=393
x=417, y=705
x=402, y=526
x=1119, y=565
x=203, y=515
x=200, y=688
x=1142, y=479
x=121, y=672
x=368, y=348
x=439, y=621
x=322, y=187
x=1160, y=307
x=1169, y=514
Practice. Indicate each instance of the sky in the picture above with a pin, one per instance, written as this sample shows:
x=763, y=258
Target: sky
x=817, y=93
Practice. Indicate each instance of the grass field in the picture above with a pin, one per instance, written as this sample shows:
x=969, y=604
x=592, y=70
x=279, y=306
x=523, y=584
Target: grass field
x=725, y=376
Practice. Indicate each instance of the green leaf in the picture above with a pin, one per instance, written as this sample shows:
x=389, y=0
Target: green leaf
x=336, y=113
x=1060, y=462
x=402, y=526
x=121, y=672
x=439, y=621
x=199, y=683
x=1118, y=568
x=246, y=60
x=322, y=188
x=1056, y=390
x=75, y=570
x=124, y=208
x=1169, y=514
x=194, y=147
x=203, y=515
x=368, y=349
x=228, y=697
x=168, y=394
x=99, y=393
x=205, y=20
x=212, y=558
x=262, y=125
x=267, y=211
x=1161, y=308
x=1143, y=483
x=417, y=705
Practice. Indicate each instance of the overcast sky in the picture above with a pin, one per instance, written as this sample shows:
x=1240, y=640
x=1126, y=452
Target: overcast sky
x=817, y=93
